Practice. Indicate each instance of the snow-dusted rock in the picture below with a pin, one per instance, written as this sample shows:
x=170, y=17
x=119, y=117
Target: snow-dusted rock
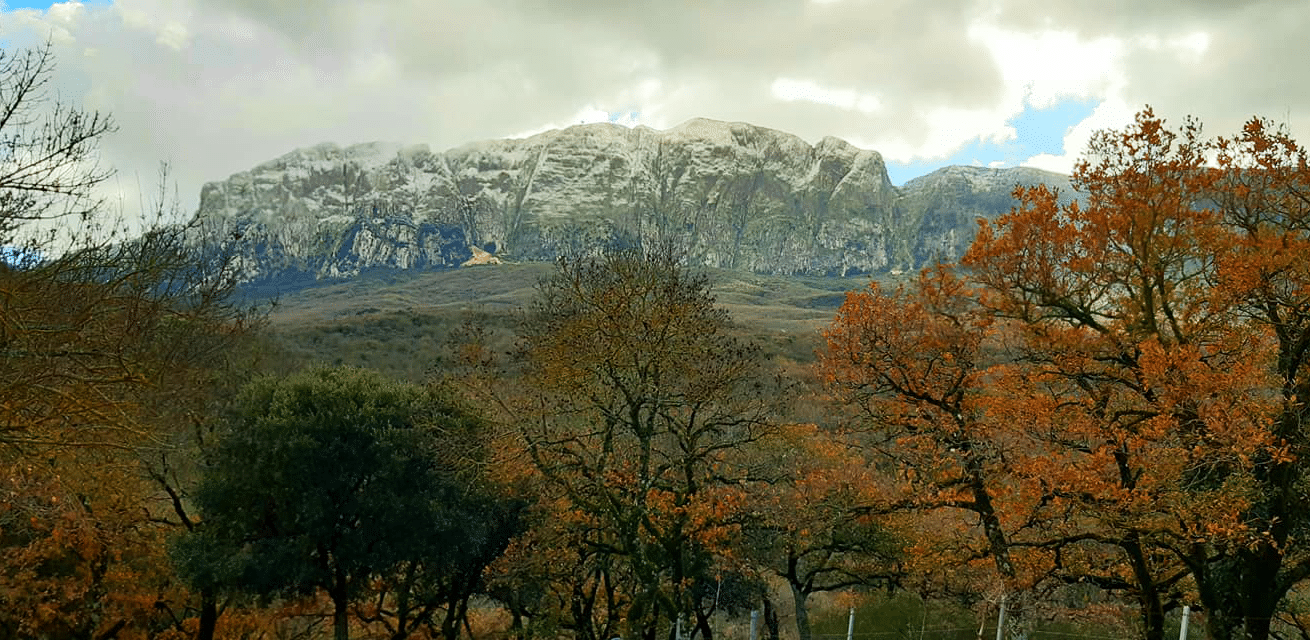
x=732, y=195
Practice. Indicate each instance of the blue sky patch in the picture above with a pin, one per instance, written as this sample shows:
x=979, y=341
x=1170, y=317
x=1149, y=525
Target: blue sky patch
x=1039, y=131
x=10, y=5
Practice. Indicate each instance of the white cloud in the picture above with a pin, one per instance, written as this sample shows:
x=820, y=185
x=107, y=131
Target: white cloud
x=1188, y=47
x=1046, y=67
x=1193, y=44
x=64, y=12
x=217, y=86
x=173, y=35
x=791, y=90
x=1110, y=114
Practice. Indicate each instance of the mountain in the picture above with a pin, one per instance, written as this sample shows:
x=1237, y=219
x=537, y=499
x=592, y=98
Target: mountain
x=944, y=206
x=732, y=195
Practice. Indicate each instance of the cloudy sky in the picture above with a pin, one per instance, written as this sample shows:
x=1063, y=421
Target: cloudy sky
x=217, y=86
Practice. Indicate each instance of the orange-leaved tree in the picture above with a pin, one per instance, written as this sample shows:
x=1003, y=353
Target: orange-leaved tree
x=817, y=518
x=637, y=409
x=1161, y=331
x=918, y=366
x=98, y=332
x=1109, y=358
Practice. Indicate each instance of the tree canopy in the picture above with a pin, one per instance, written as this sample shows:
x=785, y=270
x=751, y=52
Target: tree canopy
x=1115, y=387
x=637, y=408
x=108, y=345
x=331, y=479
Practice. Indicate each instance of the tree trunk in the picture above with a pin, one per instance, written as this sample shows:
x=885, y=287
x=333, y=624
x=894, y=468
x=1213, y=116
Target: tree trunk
x=703, y=629
x=112, y=632
x=1240, y=594
x=650, y=626
x=1262, y=589
x=208, y=615
x=340, y=621
x=1219, y=625
x=450, y=623
x=516, y=629
x=771, y=619
x=340, y=614
x=798, y=597
x=1150, y=607
x=1257, y=627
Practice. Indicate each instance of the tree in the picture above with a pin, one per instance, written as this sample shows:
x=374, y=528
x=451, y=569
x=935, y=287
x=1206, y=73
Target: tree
x=1145, y=369
x=914, y=365
x=98, y=331
x=433, y=589
x=813, y=521
x=551, y=580
x=76, y=560
x=637, y=407
x=90, y=317
x=334, y=479
x=108, y=349
x=1185, y=286
x=48, y=164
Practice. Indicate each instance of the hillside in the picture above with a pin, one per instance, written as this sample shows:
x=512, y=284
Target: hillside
x=401, y=322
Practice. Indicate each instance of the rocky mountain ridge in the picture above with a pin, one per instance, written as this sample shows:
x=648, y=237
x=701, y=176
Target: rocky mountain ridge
x=732, y=195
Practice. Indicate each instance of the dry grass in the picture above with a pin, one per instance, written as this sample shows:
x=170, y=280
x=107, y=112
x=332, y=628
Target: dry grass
x=401, y=323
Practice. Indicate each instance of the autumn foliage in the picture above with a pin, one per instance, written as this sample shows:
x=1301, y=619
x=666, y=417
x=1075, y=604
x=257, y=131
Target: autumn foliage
x=1113, y=388
x=1102, y=406
x=635, y=409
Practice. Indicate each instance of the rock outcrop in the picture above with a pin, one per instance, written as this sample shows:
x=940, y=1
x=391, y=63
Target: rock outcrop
x=731, y=195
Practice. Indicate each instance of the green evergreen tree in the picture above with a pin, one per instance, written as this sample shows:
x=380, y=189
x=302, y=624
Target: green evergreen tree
x=342, y=480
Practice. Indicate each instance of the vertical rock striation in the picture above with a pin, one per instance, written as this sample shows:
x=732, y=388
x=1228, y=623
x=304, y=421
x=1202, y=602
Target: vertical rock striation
x=732, y=195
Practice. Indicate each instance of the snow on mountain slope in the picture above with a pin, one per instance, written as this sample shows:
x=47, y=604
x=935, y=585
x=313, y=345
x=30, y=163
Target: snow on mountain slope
x=732, y=195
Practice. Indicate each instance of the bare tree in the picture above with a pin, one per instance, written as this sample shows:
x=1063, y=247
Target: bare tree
x=49, y=165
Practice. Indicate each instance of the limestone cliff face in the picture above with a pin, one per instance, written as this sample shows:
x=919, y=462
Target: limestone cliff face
x=732, y=195
x=944, y=206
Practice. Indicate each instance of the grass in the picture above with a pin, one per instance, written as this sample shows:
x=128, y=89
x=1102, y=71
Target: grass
x=401, y=323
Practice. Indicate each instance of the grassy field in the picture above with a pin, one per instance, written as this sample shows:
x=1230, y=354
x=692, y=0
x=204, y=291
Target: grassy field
x=401, y=323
